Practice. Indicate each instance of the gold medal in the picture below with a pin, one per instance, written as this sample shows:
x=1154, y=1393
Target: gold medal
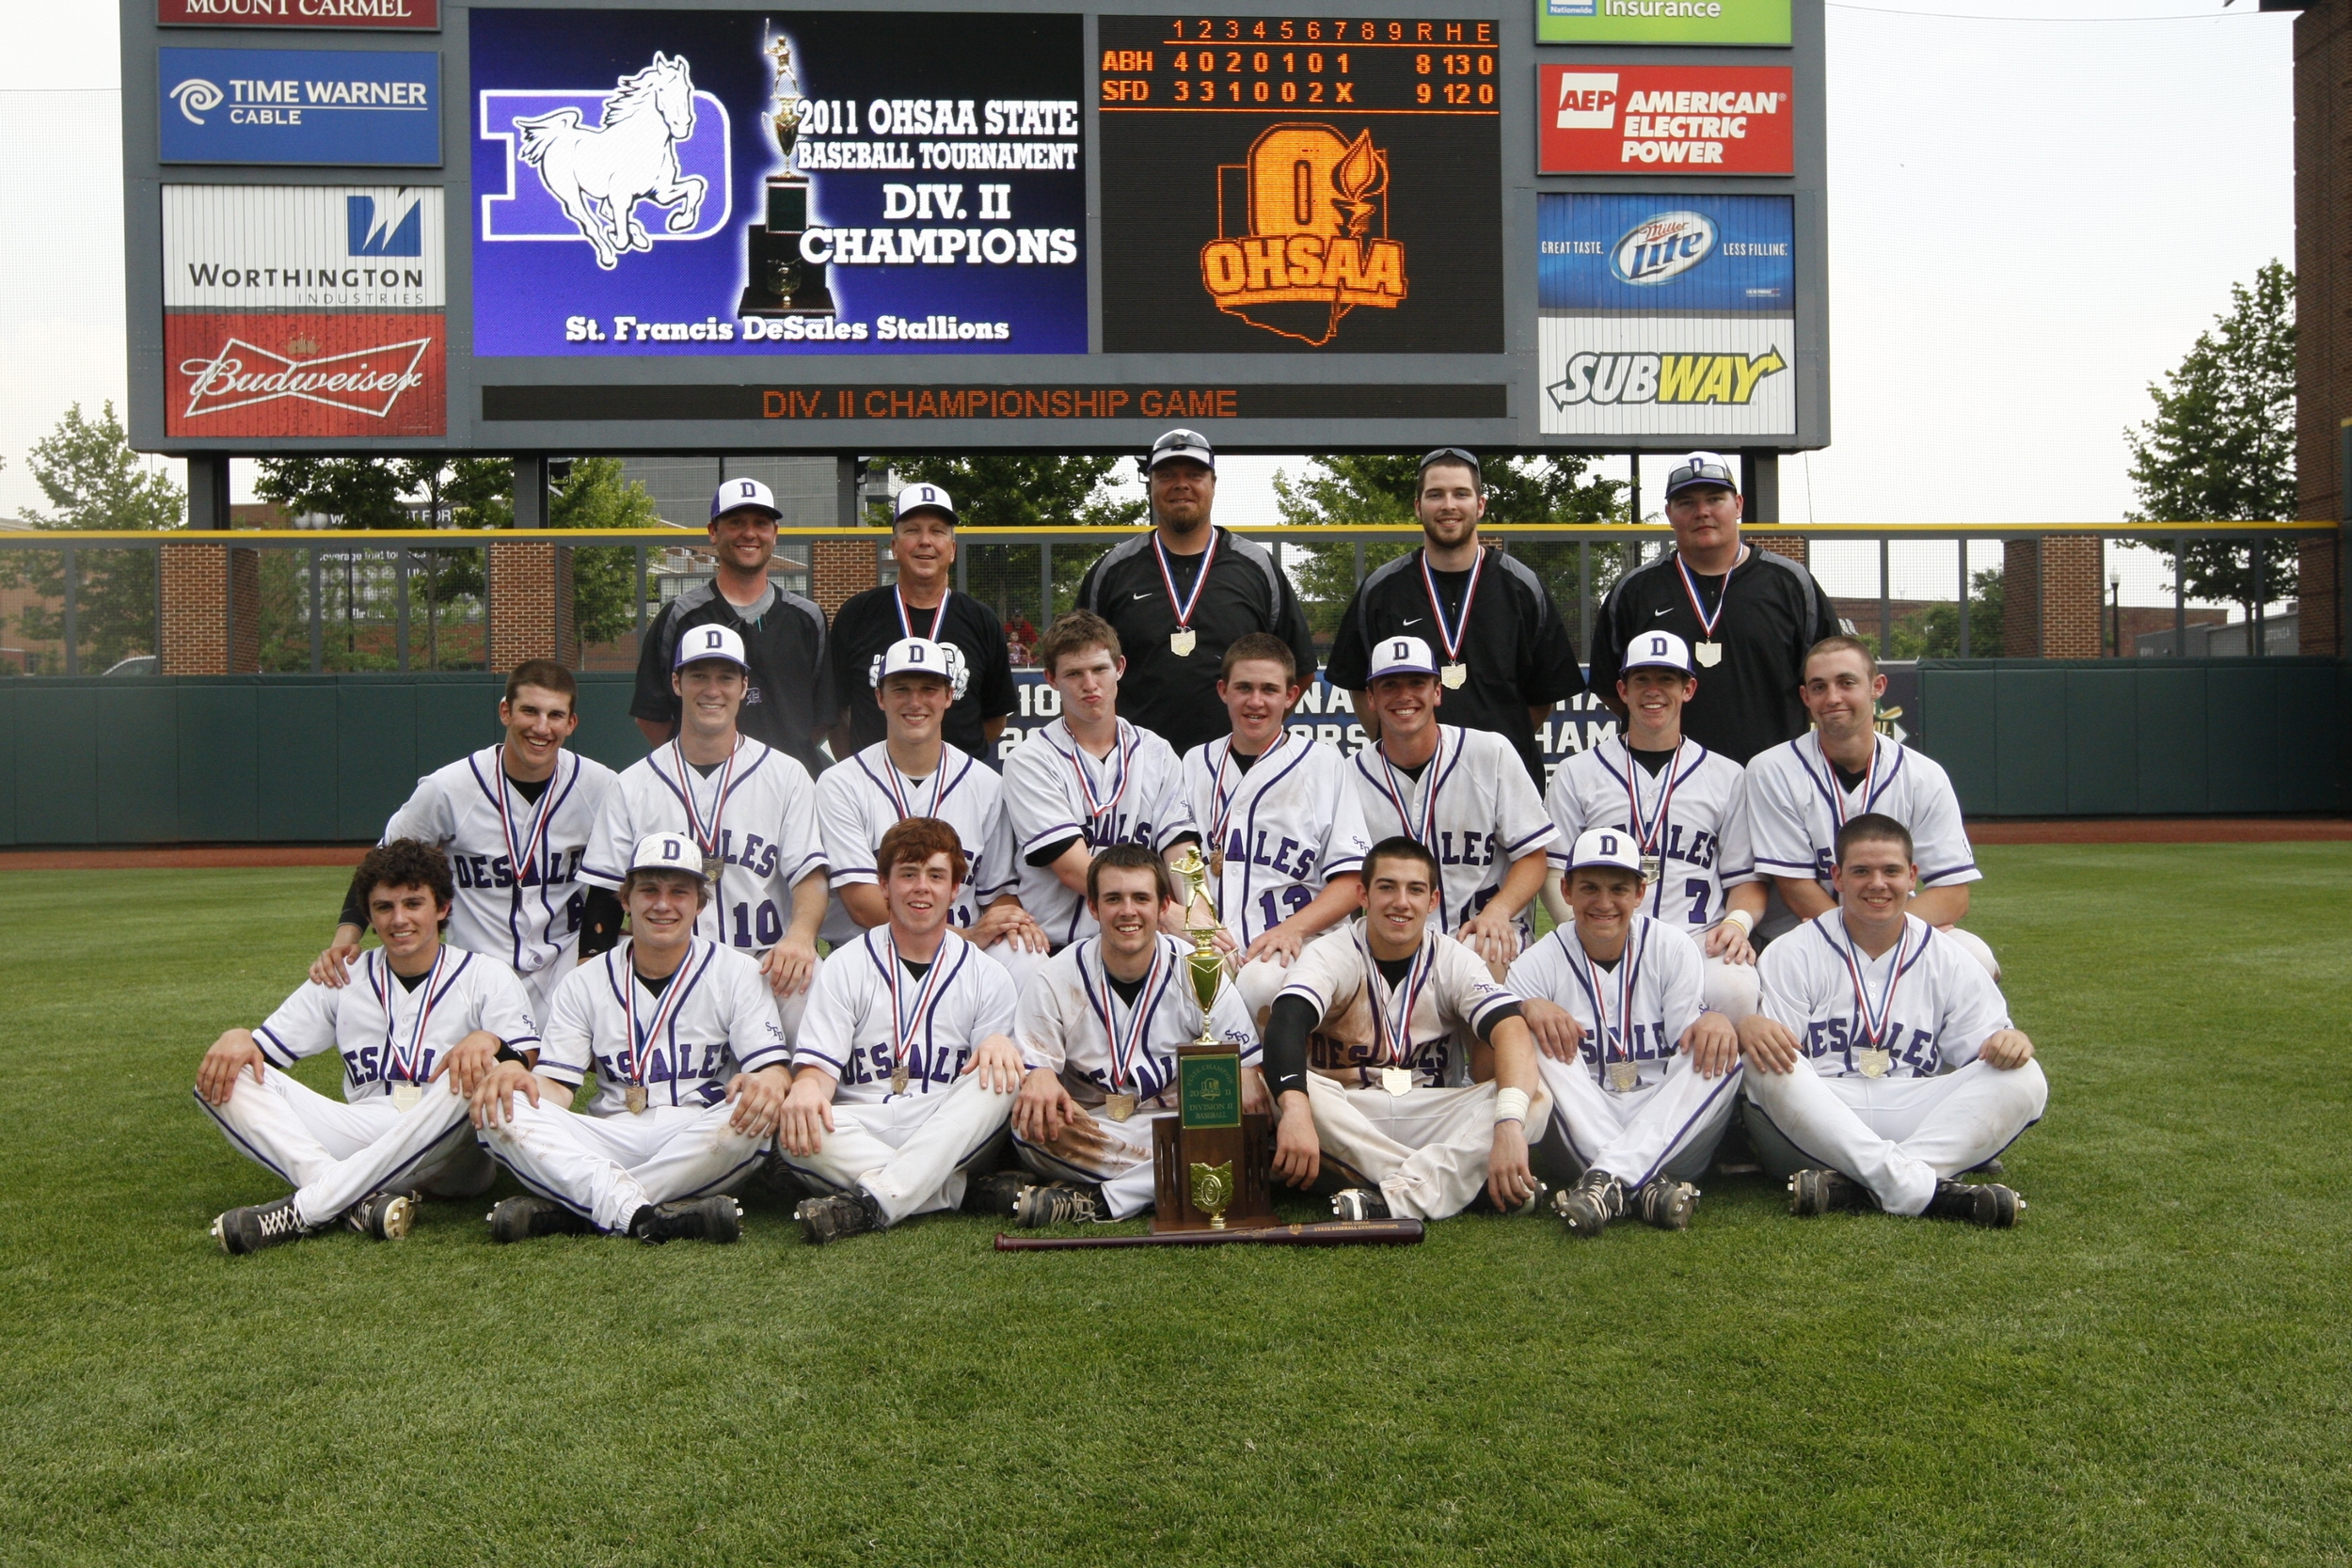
x=1651, y=867
x=1118, y=1107
x=1709, y=654
x=1624, y=1076
x=1216, y=862
x=1874, y=1063
x=1453, y=674
x=407, y=1095
x=1396, y=1080
x=712, y=866
x=636, y=1099
x=1180, y=640
x=899, y=1079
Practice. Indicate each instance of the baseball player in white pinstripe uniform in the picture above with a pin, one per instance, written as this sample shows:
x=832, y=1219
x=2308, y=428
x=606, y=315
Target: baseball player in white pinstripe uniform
x=1396, y=1055
x=750, y=813
x=514, y=820
x=418, y=1030
x=1865, y=1007
x=912, y=772
x=1086, y=781
x=1284, y=831
x=906, y=1069
x=1684, y=809
x=1463, y=795
x=1800, y=794
x=691, y=1069
x=1643, y=1087
x=1098, y=1033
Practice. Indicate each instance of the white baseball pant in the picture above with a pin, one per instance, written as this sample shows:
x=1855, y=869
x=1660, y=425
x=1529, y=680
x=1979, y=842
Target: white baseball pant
x=1116, y=1154
x=1668, y=1128
x=1728, y=989
x=1425, y=1149
x=1018, y=964
x=1977, y=948
x=1261, y=980
x=333, y=1153
x=1897, y=1136
x=909, y=1153
x=608, y=1167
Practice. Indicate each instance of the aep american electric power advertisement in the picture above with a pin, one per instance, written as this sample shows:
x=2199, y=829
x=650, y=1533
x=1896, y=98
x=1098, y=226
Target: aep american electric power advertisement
x=717, y=182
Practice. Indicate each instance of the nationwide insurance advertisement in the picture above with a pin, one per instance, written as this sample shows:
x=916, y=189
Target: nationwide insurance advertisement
x=1666, y=314
x=724, y=183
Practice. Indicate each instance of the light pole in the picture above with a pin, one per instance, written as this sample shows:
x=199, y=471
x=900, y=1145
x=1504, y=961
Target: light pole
x=2115, y=595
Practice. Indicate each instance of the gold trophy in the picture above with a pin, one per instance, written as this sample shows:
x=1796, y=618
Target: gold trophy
x=780, y=281
x=1206, y=964
x=1212, y=1190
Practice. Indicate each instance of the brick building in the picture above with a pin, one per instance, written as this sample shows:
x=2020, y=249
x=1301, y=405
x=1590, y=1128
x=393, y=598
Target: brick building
x=2323, y=270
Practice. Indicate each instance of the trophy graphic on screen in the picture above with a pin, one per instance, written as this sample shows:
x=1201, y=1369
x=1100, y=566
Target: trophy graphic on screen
x=780, y=281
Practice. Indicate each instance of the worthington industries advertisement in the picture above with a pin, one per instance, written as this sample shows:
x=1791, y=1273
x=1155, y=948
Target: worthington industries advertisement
x=717, y=183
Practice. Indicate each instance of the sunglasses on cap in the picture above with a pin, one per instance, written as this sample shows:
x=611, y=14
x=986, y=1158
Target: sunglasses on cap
x=1454, y=454
x=1701, y=467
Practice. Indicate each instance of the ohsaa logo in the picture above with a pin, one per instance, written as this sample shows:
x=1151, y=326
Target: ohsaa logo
x=1661, y=248
x=1313, y=223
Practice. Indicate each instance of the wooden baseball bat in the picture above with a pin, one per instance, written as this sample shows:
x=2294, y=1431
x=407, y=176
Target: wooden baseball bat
x=1330, y=1233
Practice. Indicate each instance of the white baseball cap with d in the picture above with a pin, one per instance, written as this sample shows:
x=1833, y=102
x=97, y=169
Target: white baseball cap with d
x=668, y=852
x=1188, y=444
x=920, y=655
x=1401, y=656
x=737, y=493
x=697, y=643
x=916, y=497
x=1606, y=847
x=1656, y=650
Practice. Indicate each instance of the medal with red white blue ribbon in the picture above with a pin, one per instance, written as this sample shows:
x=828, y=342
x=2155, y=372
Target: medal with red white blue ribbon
x=524, y=856
x=1455, y=672
x=1392, y=1012
x=1872, y=1024
x=1708, y=652
x=1128, y=1045
x=1098, y=807
x=1181, y=641
x=1399, y=792
x=906, y=621
x=706, y=839
x=903, y=1026
x=1650, y=832
x=1221, y=800
x=1624, y=1073
x=403, y=1071
x=641, y=1037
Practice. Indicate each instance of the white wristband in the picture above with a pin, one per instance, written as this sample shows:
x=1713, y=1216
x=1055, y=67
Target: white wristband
x=1747, y=921
x=1510, y=1105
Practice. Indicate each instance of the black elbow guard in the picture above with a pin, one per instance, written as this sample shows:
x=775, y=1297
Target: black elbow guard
x=1286, y=1031
x=601, y=918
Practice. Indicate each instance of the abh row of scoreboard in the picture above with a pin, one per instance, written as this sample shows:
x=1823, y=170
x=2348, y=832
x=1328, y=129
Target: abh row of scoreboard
x=520, y=228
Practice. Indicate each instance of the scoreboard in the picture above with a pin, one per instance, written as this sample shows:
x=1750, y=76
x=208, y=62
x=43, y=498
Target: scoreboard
x=548, y=226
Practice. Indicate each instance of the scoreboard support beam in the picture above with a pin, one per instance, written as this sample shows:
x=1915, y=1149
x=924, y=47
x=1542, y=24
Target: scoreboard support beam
x=531, y=491
x=208, y=491
x=1760, y=478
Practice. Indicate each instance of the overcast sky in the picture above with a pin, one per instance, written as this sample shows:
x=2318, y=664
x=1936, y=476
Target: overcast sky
x=2029, y=220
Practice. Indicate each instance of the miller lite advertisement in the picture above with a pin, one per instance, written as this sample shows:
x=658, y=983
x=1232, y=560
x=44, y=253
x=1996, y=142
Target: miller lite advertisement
x=304, y=310
x=729, y=183
x=1664, y=119
x=1666, y=314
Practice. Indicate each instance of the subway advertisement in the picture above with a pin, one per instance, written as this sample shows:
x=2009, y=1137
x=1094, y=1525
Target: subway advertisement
x=728, y=182
x=1666, y=314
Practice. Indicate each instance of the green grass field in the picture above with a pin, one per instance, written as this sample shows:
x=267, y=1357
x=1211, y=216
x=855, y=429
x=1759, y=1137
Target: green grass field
x=2153, y=1367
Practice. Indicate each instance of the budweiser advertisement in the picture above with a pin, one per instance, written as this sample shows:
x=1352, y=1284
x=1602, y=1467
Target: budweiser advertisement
x=304, y=310
x=409, y=15
x=1664, y=119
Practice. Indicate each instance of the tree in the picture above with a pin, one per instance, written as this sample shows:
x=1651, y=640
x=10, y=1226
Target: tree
x=1020, y=491
x=594, y=494
x=1935, y=632
x=96, y=482
x=1360, y=490
x=2221, y=446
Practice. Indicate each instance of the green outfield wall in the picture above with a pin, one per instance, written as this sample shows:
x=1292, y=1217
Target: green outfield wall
x=224, y=759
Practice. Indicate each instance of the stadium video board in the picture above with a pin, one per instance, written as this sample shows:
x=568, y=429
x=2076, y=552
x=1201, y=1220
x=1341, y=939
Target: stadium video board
x=557, y=226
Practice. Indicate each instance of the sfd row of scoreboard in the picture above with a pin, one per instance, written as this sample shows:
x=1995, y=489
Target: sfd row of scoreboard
x=534, y=228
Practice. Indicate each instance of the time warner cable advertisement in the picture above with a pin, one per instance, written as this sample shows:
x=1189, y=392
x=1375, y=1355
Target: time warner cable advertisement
x=661, y=182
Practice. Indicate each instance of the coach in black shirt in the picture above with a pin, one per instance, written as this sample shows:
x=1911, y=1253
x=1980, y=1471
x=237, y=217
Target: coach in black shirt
x=922, y=603
x=1749, y=616
x=1179, y=595
x=789, y=704
x=1502, y=653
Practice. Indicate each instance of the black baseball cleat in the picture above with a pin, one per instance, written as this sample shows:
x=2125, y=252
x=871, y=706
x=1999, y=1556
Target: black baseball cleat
x=716, y=1219
x=1991, y=1167
x=1060, y=1203
x=829, y=1219
x=1987, y=1203
x=1827, y=1192
x=249, y=1229
x=999, y=1194
x=1589, y=1206
x=1359, y=1203
x=520, y=1219
x=1665, y=1203
x=386, y=1216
